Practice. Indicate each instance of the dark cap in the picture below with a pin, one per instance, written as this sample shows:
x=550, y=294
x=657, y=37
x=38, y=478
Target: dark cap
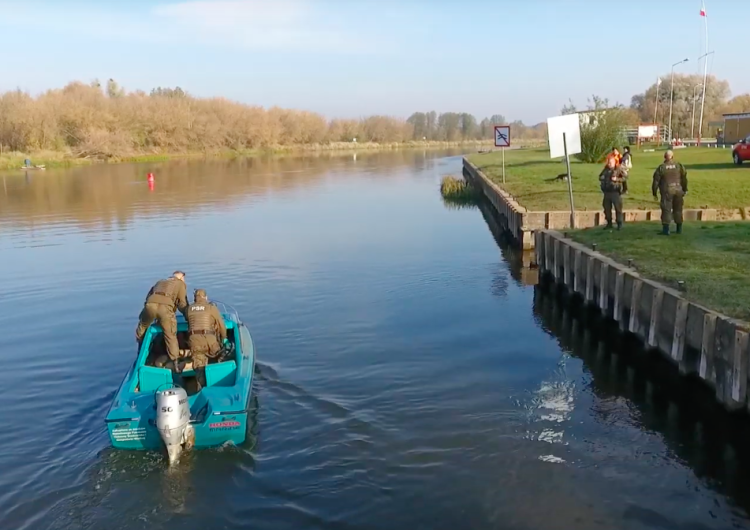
x=200, y=293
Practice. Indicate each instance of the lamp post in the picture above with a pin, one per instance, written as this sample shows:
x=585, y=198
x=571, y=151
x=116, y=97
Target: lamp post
x=703, y=98
x=695, y=96
x=671, y=94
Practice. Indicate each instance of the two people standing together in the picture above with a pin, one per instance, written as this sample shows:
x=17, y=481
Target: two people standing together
x=669, y=179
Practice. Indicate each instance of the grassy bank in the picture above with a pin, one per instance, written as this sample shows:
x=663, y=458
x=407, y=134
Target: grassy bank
x=712, y=258
x=714, y=182
x=52, y=159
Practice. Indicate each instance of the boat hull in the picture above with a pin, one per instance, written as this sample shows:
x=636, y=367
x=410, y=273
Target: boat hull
x=214, y=432
x=218, y=411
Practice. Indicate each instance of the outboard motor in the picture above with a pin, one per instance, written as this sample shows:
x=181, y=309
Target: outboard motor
x=173, y=421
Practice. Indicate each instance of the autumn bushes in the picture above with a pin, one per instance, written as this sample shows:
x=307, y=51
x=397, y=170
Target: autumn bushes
x=85, y=121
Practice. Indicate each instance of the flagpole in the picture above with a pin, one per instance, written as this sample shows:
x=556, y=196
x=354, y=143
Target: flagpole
x=705, y=72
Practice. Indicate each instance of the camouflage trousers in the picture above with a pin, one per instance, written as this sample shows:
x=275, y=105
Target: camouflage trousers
x=203, y=348
x=671, y=203
x=165, y=317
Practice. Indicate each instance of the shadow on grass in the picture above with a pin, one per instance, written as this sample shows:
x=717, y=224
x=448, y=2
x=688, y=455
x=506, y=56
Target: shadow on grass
x=728, y=165
x=628, y=203
x=511, y=165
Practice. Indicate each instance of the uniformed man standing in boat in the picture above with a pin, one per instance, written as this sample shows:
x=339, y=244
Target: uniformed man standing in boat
x=206, y=331
x=163, y=300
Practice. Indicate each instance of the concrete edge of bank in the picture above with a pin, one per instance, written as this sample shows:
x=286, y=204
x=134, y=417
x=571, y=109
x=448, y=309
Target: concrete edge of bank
x=699, y=341
x=523, y=223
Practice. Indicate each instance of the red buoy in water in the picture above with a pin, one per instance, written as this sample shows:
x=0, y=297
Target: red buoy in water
x=150, y=177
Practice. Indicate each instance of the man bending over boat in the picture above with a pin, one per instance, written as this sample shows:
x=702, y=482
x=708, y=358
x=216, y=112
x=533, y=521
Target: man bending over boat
x=162, y=301
x=205, y=328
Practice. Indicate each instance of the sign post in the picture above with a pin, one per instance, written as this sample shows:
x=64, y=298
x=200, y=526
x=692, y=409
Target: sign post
x=564, y=134
x=502, y=140
x=570, y=181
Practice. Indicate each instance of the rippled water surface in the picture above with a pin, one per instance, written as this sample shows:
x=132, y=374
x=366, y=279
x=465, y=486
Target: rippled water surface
x=409, y=374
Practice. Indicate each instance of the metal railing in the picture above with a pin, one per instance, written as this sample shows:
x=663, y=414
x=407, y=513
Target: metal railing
x=631, y=134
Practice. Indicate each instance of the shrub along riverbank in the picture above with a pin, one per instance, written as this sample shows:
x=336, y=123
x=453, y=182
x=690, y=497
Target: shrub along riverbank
x=91, y=121
x=712, y=258
x=53, y=159
x=714, y=182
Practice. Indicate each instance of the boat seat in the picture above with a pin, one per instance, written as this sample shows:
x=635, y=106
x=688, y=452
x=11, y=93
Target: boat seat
x=221, y=374
x=151, y=378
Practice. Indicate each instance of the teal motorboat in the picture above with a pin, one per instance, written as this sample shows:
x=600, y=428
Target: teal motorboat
x=157, y=409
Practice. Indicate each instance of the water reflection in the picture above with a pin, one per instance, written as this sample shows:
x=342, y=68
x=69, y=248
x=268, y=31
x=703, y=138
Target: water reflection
x=641, y=393
x=519, y=262
x=113, y=195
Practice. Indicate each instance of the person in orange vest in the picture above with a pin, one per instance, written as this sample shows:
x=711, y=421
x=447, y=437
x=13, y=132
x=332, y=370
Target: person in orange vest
x=616, y=155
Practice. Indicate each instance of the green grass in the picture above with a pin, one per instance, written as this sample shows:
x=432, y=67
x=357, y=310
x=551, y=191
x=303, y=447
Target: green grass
x=713, y=181
x=712, y=258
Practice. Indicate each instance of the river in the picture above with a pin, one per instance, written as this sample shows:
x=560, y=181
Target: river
x=408, y=376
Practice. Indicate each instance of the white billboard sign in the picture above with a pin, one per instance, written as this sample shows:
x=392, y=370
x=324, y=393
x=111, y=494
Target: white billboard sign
x=647, y=131
x=569, y=124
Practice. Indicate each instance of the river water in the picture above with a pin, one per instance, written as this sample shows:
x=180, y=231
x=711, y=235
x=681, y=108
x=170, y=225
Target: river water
x=409, y=376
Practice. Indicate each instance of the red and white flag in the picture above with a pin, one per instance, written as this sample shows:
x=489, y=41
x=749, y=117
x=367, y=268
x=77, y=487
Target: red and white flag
x=703, y=9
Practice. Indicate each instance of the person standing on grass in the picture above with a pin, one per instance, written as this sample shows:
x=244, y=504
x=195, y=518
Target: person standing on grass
x=627, y=159
x=614, y=184
x=614, y=155
x=670, y=179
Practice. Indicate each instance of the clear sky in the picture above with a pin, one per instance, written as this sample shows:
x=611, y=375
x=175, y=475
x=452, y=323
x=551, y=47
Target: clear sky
x=347, y=58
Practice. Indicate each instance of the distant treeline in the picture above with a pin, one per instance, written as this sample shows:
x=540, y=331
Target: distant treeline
x=91, y=120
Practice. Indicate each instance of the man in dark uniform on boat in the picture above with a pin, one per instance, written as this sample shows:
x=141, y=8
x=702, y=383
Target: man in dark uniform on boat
x=164, y=298
x=206, y=331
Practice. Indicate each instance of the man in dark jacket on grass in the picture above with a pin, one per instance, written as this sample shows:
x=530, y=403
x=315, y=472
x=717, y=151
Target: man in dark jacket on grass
x=670, y=179
x=614, y=184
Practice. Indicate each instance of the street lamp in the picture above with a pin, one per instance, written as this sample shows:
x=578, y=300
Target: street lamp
x=671, y=93
x=703, y=98
x=695, y=96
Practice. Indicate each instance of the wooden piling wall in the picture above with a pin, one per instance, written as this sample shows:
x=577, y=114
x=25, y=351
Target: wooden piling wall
x=697, y=340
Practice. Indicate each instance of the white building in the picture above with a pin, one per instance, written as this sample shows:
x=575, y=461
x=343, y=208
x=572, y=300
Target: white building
x=591, y=117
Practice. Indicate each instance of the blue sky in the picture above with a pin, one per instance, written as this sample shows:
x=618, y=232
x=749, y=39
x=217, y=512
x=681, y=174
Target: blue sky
x=348, y=58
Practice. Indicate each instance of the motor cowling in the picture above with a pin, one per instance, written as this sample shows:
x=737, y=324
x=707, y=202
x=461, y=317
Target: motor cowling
x=173, y=421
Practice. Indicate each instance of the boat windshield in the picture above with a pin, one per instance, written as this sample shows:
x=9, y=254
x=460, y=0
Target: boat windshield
x=227, y=309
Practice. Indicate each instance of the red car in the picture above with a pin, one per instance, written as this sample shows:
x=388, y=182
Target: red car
x=741, y=151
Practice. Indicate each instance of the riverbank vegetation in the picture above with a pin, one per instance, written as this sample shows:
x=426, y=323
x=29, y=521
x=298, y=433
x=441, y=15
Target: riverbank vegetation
x=606, y=130
x=711, y=258
x=458, y=192
x=532, y=178
x=95, y=122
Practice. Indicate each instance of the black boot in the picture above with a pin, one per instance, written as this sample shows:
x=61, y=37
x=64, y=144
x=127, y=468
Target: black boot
x=664, y=230
x=619, y=225
x=679, y=228
x=608, y=226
